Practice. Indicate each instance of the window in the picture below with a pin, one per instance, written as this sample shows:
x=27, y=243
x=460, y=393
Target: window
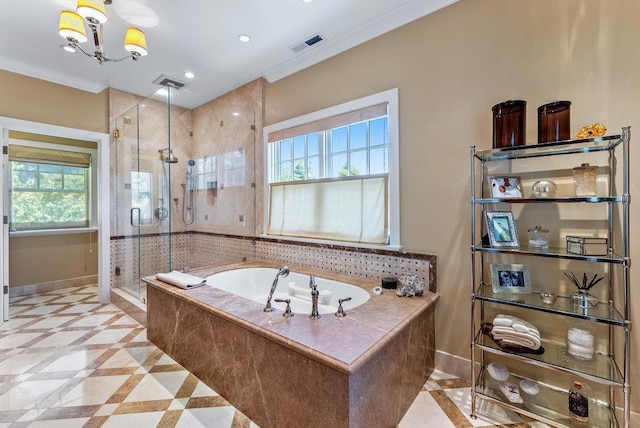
x=50, y=189
x=141, y=188
x=333, y=174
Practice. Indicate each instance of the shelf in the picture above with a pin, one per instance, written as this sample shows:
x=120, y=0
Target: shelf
x=589, y=145
x=556, y=253
x=550, y=405
x=563, y=200
x=603, y=312
x=602, y=369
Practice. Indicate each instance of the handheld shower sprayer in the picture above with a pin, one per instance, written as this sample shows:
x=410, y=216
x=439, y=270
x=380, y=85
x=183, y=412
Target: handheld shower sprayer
x=188, y=214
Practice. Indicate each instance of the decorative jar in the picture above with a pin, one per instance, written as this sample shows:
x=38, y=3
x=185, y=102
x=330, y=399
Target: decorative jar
x=538, y=238
x=584, y=179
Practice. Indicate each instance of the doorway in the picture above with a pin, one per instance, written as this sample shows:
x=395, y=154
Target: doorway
x=101, y=179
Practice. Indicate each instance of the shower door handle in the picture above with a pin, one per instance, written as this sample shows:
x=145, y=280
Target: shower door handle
x=131, y=217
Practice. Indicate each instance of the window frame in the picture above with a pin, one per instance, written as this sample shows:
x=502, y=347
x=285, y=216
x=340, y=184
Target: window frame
x=391, y=98
x=91, y=193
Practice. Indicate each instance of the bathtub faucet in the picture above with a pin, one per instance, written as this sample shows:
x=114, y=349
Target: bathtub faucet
x=314, y=298
x=282, y=272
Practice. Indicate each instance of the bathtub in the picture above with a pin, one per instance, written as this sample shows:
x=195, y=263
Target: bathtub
x=360, y=371
x=254, y=284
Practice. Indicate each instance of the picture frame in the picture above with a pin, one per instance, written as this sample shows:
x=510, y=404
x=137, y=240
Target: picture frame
x=501, y=229
x=505, y=186
x=510, y=278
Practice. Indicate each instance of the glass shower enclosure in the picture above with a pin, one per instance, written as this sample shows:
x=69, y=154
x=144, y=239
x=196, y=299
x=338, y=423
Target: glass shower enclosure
x=145, y=158
x=183, y=185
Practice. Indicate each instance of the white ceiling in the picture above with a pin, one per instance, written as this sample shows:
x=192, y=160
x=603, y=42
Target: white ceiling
x=198, y=36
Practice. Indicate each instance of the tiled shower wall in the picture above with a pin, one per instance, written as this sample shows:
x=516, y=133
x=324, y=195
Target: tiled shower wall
x=203, y=249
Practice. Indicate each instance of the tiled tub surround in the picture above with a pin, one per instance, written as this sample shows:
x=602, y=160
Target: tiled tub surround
x=197, y=249
x=363, y=370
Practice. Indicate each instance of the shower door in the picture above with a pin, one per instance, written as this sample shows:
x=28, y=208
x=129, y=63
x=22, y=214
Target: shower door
x=142, y=195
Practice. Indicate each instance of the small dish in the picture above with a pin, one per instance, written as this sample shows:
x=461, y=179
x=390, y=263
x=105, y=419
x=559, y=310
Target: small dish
x=548, y=298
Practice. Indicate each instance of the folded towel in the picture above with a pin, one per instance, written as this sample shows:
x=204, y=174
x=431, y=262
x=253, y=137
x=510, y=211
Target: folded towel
x=487, y=327
x=517, y=324
x=523, y=339
x=507, y=330
x=182, y=280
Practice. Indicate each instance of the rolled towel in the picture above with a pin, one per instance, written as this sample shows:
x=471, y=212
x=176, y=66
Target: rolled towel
x=180, y=279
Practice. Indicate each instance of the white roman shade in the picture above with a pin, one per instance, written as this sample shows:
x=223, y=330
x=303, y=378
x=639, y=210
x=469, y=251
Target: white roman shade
x=352, y=209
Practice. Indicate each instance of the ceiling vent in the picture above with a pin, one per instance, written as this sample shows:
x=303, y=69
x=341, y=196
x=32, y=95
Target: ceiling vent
x=165, y=80
x=310, y=41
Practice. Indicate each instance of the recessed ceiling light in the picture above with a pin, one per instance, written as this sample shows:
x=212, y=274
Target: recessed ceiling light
x=68, y=48
x=244, y=38
x=189, y=75
x=307, y=1
x=235, y=113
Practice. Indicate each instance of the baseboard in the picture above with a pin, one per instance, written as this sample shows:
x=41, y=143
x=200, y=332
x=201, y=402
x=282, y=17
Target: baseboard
x=453, y=364
x=44, y=287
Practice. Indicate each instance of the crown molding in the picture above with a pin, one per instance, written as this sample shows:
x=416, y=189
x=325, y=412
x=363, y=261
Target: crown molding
x=390, y=21
x=43, y=73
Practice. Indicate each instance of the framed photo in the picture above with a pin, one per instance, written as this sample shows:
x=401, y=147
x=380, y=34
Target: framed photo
x=505, y=186
x=510, y=278
x=502, y=229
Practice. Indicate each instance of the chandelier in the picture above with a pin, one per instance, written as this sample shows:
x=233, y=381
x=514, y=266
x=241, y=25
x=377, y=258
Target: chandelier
x=72, y=28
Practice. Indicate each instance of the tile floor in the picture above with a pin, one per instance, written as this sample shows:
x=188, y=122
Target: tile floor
x=67, y=361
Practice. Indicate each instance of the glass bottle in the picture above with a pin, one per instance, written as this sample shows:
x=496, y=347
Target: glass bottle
x=578, y=402
x=584, y=179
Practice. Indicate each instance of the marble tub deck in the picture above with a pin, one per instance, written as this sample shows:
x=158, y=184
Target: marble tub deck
x=361, y=370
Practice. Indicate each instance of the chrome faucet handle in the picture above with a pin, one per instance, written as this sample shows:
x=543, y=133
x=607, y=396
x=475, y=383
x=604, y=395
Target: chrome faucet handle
x=341, y=313
x=287, y=312
x=312, y=283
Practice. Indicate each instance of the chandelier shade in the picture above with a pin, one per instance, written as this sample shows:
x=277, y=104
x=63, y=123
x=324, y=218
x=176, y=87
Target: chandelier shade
x=135, y=42
x=72, y=27
x=92, y=10
x=92, y=13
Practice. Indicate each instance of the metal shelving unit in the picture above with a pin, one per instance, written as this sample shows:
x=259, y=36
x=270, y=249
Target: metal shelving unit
x=607, y=368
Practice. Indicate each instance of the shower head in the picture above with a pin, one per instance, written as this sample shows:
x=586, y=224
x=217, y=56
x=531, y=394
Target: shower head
x=168, y=159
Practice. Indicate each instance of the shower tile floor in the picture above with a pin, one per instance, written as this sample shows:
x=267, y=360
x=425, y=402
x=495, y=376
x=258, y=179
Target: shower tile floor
x=67, y=361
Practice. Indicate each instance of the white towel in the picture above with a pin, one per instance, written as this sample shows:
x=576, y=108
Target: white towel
x=517, y=324
x=182, y=280
x=523, y=339
x=507, y=330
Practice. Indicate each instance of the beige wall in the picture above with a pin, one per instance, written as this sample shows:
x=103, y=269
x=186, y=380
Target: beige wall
x=451, y=67
x=32, y=99
x=49, y=258
x=37, y=259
